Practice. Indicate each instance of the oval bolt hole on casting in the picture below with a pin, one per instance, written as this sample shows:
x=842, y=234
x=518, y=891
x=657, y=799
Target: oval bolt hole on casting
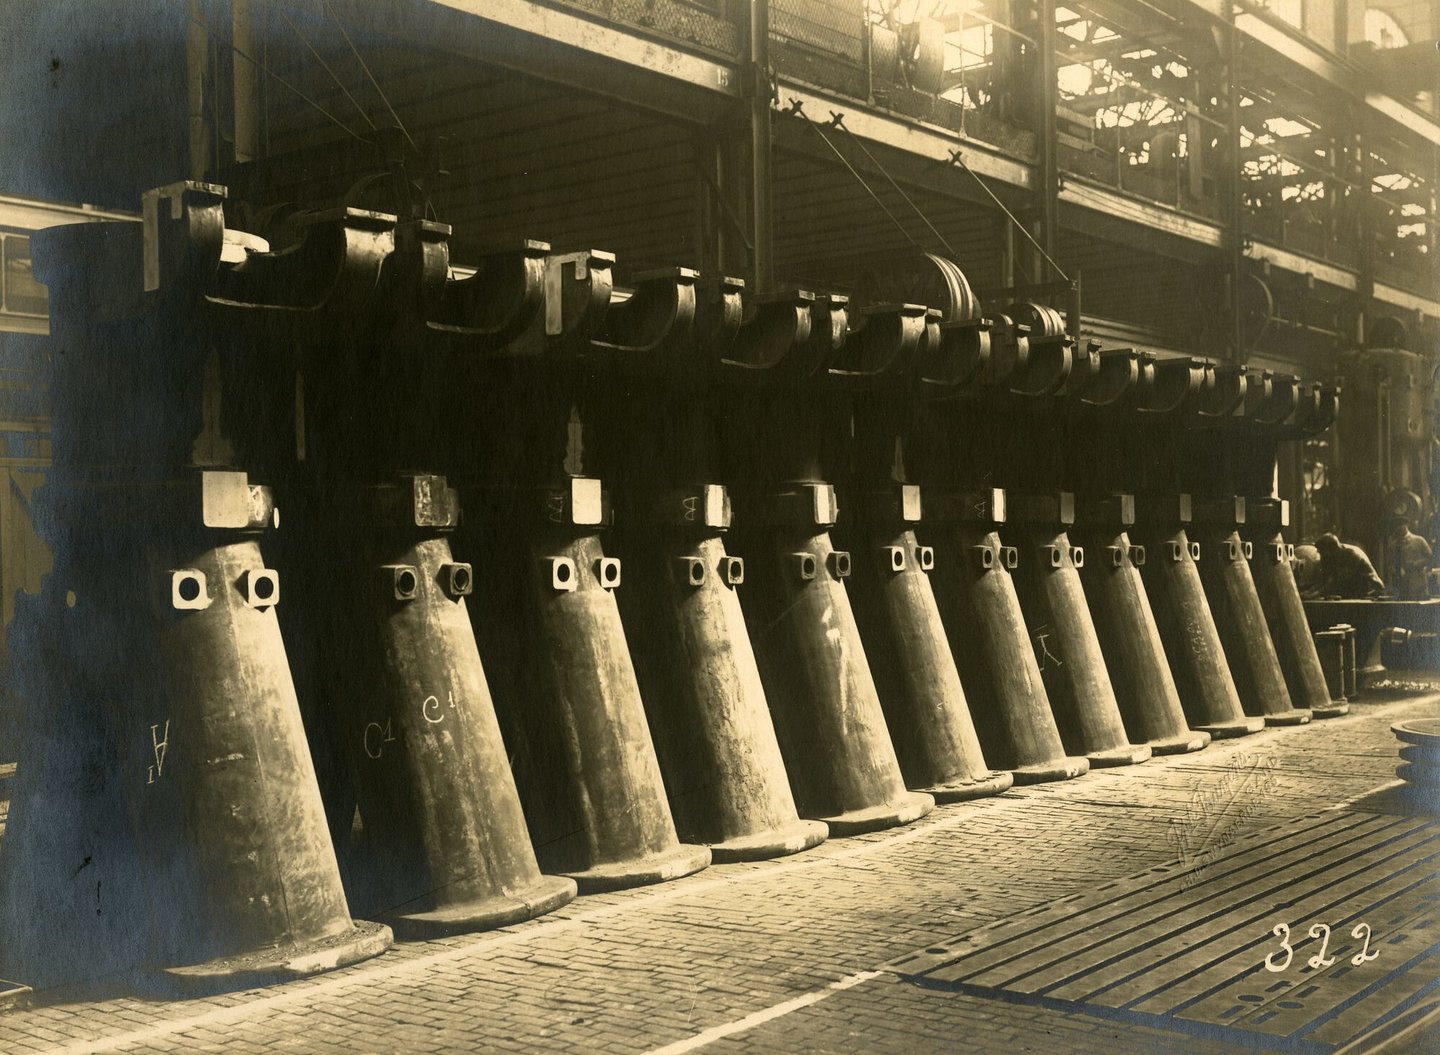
x=458, y=579
x=804, y=565
x=187, y=590
x=260, y=587
x=564, y=577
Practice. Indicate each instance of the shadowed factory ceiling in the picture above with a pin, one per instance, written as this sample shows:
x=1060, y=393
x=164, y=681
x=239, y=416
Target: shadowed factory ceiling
x=522, y=158
x=517, y=158
x=503, y=156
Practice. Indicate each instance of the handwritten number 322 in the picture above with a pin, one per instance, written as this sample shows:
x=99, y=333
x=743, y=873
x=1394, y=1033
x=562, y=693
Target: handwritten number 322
x=1321, y=931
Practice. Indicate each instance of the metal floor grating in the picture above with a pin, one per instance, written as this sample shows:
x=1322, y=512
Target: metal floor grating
x=1184, y=946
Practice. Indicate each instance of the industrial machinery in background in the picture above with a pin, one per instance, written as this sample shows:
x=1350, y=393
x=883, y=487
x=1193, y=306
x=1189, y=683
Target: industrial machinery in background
x=1381, y=461
x=594, y=576
x=585, y=586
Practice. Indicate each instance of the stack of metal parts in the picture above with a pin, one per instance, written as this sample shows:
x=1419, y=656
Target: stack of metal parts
x=585, y=587
x=1336, y=648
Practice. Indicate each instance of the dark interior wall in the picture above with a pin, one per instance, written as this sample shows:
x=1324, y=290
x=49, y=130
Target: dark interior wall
x=1183, y=302
x=92, y=98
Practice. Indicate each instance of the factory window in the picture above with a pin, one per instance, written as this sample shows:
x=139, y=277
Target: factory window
x=960, y=64
x=1291, y=11
x=835, y=27
x=23, y=295
x=1137, y=110
x=1401, y=201
x=1299, y=176
x=1383, y=31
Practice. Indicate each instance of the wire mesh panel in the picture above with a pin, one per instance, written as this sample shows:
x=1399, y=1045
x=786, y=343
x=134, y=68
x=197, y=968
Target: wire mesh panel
x=835, y=27
x=821, y=42
x=954, y=63
x=711, y=25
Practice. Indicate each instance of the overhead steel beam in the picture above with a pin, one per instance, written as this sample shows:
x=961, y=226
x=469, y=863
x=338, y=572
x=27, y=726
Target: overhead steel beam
x=931, y=175
x=564, y=48
x=914, y=137
x=1275, y=256
x=1405, y=299
x=1134, y=210
x=1297, y=50
x=30, y=214
x=1403, y=116
x=1303, y=54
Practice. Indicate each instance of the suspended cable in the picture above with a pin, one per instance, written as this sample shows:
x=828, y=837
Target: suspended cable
x=957, y=159
x=272, y=74
x=796, y=108
x=326, y=67
x=361, y=59
x=839, y=122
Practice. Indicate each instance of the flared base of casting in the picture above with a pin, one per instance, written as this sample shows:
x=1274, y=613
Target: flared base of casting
x=1295, y=716
x=283, y=964
x=1333, y=709
x=909, y=807
x=1424, y=757
x=1066, y=768
x=1420, y=765
x=1423, y=776
x=1179, y=744
x=546, y=895
x=684, y=860
x=992, y=783
x=1129, y=755
x=777, y=842
x=1229, y=730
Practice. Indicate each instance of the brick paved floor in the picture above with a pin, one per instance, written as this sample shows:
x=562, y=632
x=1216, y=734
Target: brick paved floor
x=781, y=956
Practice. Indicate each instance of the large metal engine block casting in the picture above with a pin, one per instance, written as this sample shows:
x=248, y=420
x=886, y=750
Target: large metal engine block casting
x=600, y=582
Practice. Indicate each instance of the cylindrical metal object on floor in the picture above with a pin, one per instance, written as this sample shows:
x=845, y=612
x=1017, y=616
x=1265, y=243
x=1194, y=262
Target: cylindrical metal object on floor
x=1420, y=759
x=608, y=824
x=915, y=674
x=997, y=664
x=1207, y=689
x=1352, y=666
x=1290, y=631
x=1241, y=622
x=1067, y=650
x=828, y=718
x=1330, y=648
x=702, y=690
x=1130, y=641
x=445, y=839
